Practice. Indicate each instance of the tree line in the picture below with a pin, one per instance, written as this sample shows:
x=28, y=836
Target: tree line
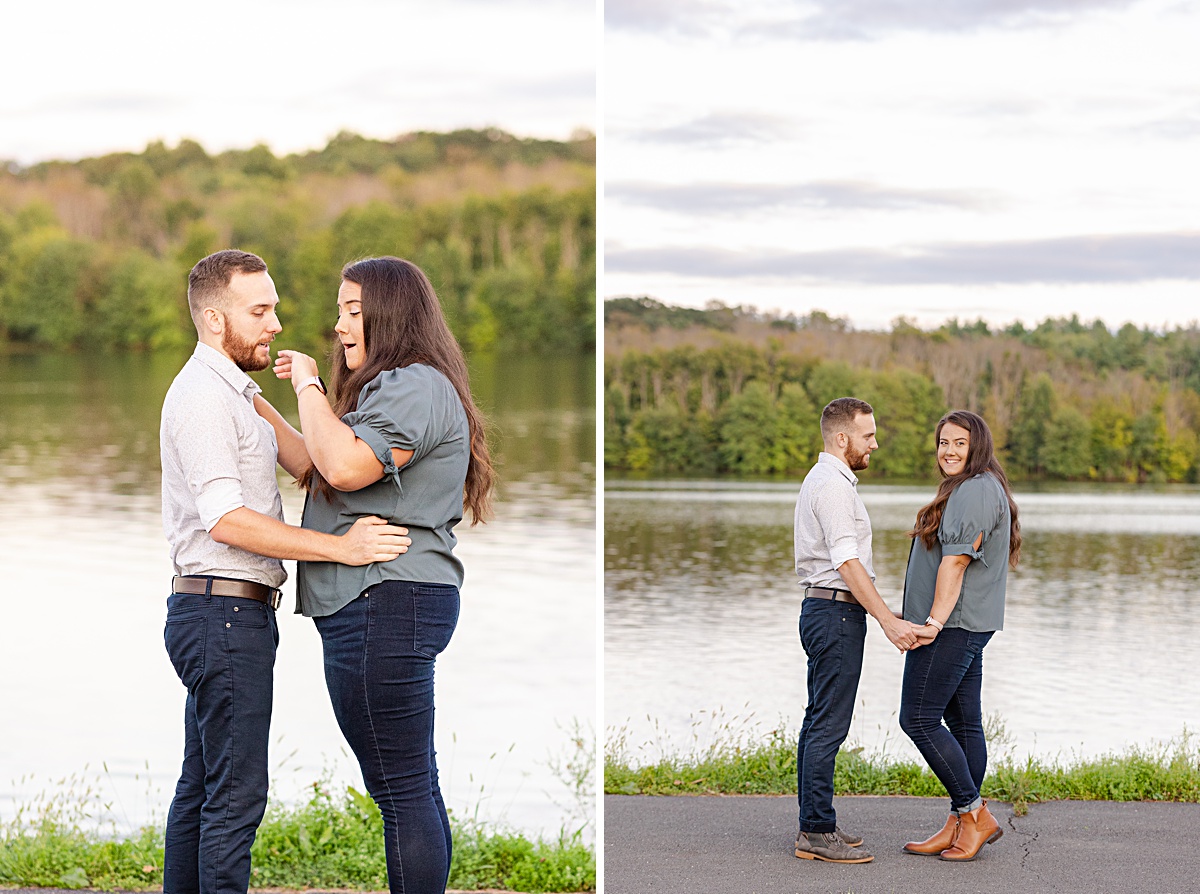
x=741, y=392
x=94, y=254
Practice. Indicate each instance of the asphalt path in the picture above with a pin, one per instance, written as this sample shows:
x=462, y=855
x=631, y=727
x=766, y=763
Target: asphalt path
x=744, y=845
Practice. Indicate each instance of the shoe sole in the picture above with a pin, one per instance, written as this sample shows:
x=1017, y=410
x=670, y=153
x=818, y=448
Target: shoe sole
x=995, y=837
x=809, y=855
x=923, y=853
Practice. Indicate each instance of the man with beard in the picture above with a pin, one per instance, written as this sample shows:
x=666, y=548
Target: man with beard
x=223, y=518
x=833, y=561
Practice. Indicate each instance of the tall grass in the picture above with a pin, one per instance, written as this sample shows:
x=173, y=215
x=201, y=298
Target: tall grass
x=736, y=763
x=332, y=840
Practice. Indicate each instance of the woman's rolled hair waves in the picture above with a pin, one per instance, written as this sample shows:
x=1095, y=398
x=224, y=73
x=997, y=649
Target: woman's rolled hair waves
x=403, y=324
x=981, y=457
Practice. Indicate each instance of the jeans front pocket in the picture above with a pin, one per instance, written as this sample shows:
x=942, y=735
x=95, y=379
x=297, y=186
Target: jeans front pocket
x=853, y=621
x=245, y=612
x=435, y=615
x=185, y=637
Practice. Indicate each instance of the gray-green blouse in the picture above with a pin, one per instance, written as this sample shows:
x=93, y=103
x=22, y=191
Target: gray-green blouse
x=977, y=506
x=413, y=408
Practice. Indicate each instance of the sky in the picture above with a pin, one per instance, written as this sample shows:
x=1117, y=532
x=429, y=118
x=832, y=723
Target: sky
x=1000, y=160
x=84, y=79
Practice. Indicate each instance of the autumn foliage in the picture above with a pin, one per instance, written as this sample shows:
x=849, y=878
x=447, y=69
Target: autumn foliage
x=731, y=390
x=94, y=253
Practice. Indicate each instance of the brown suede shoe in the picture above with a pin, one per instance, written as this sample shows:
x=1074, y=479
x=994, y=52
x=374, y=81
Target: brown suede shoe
x=829, y=848
x=848, y=837
x=975, y=829
x=938, y=842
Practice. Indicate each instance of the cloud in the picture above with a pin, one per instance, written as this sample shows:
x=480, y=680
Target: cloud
x=99, y=104
x=720, y=130
x=1122, y=258
x=867, y=19
x=688, y=17
x=843, y=19
x=831, y=195
x=1183, y=125
x=461, y=90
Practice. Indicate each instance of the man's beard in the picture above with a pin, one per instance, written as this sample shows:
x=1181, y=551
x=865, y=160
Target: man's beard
x=242, y=352
x=855, y=460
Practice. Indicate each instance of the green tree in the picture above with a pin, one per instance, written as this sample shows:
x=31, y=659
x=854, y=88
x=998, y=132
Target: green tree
x=1149, y=446
x=142, y=303
x=749, y=440
x=1112, y=438
x=829, y=380
x=907, y=407
x=375, y=229
x=47, y=288
x=136, y=207
x=259, y=161
x=1027, y=435
x=1067, y=452
x=798, y=428
x=664, y=439
x=616, y=422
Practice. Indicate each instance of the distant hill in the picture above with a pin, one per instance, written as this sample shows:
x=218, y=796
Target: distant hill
x=731, y=390
x=94, y=253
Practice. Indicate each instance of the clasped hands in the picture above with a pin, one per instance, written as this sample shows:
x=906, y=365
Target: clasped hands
x=905, y=635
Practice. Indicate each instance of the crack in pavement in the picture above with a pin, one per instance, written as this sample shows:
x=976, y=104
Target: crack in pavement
x=1030, y=838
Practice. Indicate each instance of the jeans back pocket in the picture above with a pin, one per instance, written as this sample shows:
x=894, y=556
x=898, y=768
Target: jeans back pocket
x=435, y=615
x=185, y=636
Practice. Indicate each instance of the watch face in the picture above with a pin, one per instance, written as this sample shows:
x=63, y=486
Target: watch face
x=321, y=385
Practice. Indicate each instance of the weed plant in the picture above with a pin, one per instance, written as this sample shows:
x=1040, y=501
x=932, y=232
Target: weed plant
x=735, y=764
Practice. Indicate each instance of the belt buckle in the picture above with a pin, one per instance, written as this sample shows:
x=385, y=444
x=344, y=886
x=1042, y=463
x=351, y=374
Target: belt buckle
x=275, y=598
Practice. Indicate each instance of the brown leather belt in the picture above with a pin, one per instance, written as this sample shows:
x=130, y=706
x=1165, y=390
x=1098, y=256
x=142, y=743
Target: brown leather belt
x=199, y=585
x=826, y=593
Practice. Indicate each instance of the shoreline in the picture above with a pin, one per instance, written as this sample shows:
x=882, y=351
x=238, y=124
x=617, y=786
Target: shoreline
x=1166, y=772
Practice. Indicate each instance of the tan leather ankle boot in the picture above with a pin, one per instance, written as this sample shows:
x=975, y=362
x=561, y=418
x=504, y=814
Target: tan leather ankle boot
x=975, y=829
x=938, y=842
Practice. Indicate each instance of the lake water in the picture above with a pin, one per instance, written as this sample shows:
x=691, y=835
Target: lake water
x=84, y=574
x=701, y=604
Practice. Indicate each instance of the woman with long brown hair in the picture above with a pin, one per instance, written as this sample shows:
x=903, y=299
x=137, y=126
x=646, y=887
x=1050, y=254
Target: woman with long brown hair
x=963, y=544
x=402, y=441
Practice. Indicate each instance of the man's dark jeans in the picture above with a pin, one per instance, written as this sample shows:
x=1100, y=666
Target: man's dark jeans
x=223, y=649
x=832, y=634
x=379, y=658
x=943, y=679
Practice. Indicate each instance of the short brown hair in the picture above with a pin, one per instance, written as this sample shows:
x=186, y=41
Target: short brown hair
x=839, y=415
x=208, y=283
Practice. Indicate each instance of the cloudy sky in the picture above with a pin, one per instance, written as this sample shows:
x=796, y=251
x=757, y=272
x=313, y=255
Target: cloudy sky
x=995, y=159
x=83, y=78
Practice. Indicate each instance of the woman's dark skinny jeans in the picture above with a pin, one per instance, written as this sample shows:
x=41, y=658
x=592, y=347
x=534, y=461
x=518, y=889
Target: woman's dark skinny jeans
x=379, y=657
x=943, y=680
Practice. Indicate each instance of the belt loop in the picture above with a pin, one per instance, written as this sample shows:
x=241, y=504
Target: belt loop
x=208, y=588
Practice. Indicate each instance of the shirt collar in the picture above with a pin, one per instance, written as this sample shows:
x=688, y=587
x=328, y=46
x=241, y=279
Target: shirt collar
x=226, y=369
x=830, y=459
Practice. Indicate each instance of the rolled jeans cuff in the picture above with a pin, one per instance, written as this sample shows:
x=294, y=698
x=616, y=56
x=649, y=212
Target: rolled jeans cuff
x=974, y=805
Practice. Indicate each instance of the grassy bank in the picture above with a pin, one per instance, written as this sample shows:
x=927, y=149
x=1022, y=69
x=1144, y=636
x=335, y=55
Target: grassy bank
x=329, y=842
x=1166, y=772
